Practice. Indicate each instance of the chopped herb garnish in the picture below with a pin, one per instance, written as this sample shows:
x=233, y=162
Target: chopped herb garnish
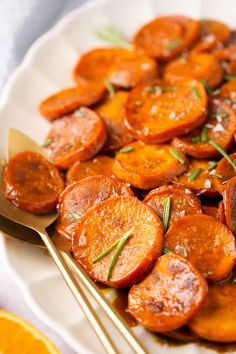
x=223, y=152
x=166, y=213
x=206, y=85
x=212, y=166
x=120, y=247
x=79, y=113
x=219, y=115
x=114, y=191
x=229, y=77
x=76, y=215
x=196, y=139
x=193, y=175
x=166, y=250
x=204, y=134
x=126, y=149
x=195, y=93
x=177, y=155
x=47, y=142
x=174, y=44
x=234, y=281
x=111, y=35
x=110, y=87
x=215, y=92
x=67, y=147
x=106, y=252
x=217, y=175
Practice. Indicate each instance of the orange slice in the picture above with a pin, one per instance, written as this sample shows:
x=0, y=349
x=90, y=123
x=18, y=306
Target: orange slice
x=18, y=336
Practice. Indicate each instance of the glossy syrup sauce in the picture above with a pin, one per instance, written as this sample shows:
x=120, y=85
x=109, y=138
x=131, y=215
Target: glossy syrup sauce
x=180, y=337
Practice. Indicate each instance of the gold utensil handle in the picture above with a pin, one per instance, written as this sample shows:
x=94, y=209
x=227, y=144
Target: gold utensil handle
x=79, y=295
x=114, y=316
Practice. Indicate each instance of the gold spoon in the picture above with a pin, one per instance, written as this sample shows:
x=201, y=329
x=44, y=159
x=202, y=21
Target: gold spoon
x=24, y=227
x=17, y=142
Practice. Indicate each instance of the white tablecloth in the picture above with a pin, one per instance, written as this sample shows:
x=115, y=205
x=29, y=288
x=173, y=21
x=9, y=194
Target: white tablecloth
x=22, y=22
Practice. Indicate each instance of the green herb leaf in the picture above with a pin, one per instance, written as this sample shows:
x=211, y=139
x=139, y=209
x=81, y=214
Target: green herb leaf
x=114, y=192
x=217, y=175
x=67, y=147
x=76, y=215
x=223, y=152
x=193, y=175
x=126, y=149
x=212, y=166
x=207, y=87
x=177, y=155
x=120, y=247
x=166, y=250
x=204, y=134
x=195, y=93
x=111, y=35
x=47, y=142
x=219, y=115
x=110, y=87
x=175, y=44
x=196, y=139
x=106, y=252
x=79, y=113
x=229, y=77
x=166, y=213
x=215, y=92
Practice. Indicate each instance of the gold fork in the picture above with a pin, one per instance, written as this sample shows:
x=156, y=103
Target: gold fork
x=37, y=224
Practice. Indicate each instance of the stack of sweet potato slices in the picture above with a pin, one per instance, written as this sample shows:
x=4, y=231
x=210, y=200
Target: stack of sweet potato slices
x=145, y=144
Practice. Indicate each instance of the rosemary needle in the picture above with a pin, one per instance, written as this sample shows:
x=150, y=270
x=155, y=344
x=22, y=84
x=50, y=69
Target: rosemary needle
x=177, y=155
x=223, y=152
x=193, y=175
x=120, y=246
x=166, y=213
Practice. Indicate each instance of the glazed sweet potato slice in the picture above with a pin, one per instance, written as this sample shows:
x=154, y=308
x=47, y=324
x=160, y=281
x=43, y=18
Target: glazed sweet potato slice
x=182, y=202
x=206, y=242
x=217, y=213
x=226, y=171
x=111, y=111
x=76, y=137
x=228, y=91
x=166, y=37
x=201, y=66
x=215, y=321
x=229, y=200
x=99, y=165
x=68, y=100
x=212, y=34
x=156, y=112
x=198, y=178
x=124, y=68
x=78, y=197
x=148, y=166
x=169, y=296
x=106, y=225
x=32, y=183
x=220, y=127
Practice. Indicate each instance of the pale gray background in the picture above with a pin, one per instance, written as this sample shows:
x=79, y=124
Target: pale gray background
x=21, y=23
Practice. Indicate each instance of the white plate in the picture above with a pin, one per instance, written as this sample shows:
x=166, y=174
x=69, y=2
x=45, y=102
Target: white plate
x=46, y=68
